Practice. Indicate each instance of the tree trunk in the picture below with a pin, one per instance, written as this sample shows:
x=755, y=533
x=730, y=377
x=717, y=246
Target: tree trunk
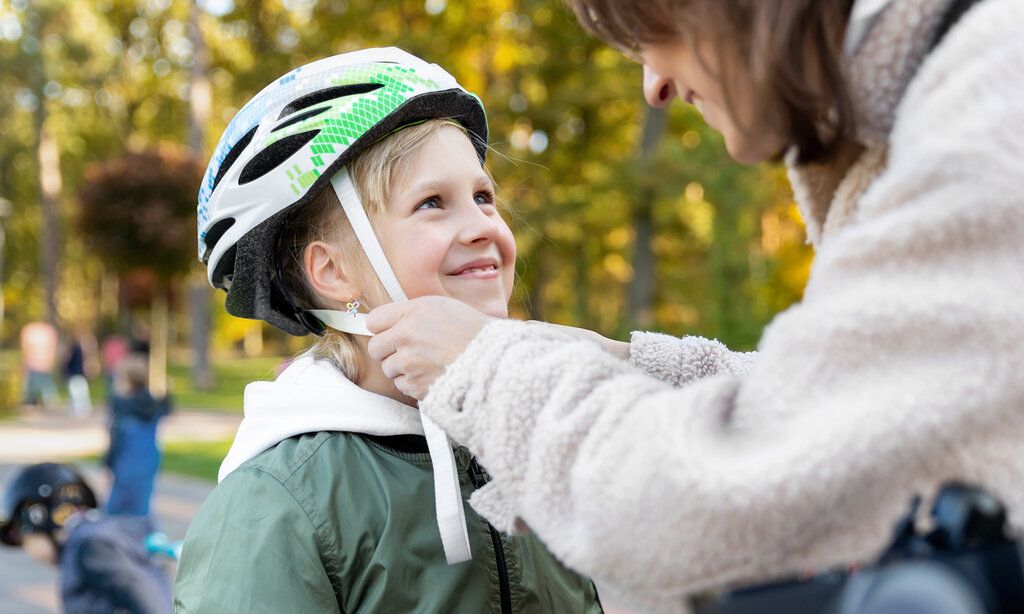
x=582, y=284
x=641, y=286
x=535, y=296
x=5, y=207
x=200, y=101
x=159, y=325
x=110, y=305
x=48, y=160
x=252, y=345
x=202, y=374
x=50, y=185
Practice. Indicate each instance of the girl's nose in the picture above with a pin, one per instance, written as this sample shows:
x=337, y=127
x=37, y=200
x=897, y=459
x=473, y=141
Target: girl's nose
x=479, y=224
x=658, y=90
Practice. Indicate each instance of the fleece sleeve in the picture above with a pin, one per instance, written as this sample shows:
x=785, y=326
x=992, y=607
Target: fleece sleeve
x=679, y=361
x=899, y=370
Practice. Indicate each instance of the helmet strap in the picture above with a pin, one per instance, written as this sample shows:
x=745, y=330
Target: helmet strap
x=345, y=321
x=356, y=214
x=451, y=515
x=348, y=321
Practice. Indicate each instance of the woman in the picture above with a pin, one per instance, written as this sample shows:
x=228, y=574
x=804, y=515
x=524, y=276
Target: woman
x=669, y=466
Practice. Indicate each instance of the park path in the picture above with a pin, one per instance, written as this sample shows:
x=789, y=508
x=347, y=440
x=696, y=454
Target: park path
x=27, y=587
x=38, y=436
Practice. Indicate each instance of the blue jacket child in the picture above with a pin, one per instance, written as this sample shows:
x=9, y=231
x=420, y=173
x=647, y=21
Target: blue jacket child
x=134, y=457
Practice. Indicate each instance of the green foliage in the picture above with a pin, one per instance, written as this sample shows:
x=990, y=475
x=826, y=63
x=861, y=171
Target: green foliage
x=231, y=376
x=565, y=116
x=199, y=459
x=10, y=384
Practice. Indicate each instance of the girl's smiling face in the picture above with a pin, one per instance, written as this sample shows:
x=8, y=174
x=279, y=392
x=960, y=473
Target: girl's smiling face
x=441, y=229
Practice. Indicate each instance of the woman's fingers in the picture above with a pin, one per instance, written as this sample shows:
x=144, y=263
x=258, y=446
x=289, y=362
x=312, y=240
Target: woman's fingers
x=392, y=366
x=415, y=341
x=384, y=317
x=382, y=345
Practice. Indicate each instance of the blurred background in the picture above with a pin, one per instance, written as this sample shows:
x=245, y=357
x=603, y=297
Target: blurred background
x=626, y=217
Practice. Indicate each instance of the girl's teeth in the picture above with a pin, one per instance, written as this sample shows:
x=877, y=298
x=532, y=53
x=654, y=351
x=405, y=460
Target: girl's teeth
x=479, y=269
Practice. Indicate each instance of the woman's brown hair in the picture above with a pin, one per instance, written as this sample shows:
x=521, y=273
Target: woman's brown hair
x=790, y=51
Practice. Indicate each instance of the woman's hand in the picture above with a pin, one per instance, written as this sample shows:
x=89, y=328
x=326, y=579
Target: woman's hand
x=416, y=340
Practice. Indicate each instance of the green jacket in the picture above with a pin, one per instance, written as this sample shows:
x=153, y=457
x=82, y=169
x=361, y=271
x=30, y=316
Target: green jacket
x=341, y=522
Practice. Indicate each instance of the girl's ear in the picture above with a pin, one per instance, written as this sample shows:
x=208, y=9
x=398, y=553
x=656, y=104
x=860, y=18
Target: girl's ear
x=325, y=268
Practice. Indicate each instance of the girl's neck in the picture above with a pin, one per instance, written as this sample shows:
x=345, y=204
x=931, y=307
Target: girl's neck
x=372, y=378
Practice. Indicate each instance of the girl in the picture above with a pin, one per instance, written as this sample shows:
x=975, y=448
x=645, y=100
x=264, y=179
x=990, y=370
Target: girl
x=903, y=129
x=348, y=183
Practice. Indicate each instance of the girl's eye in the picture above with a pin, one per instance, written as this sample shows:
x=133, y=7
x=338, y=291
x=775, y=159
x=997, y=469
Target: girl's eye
x=431, y=203
x=485, y=197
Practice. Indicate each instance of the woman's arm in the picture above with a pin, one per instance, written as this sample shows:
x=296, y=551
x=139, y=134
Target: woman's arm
x=679, y=361
x=674, y=360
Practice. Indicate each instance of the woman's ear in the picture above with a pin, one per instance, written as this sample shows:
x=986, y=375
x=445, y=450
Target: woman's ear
x=325, y=268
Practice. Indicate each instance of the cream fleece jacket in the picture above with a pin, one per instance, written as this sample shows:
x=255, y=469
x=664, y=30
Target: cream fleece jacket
x=690, y=466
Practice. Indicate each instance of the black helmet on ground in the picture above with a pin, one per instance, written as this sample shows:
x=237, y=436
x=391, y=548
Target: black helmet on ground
x=40, y=498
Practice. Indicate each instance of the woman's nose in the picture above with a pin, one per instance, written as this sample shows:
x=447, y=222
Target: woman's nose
x=658, y=90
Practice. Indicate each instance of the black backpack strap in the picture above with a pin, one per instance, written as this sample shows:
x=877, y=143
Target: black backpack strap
x=956, y=10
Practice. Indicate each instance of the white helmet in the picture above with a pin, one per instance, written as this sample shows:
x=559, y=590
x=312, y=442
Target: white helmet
x=287, y=143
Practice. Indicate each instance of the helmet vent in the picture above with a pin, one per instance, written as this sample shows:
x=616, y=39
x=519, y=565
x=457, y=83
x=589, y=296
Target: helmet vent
x=301, y=116
x=229, y=159
x=225, y=268
x=276, y=153
x=214, y=234
x=330, y=93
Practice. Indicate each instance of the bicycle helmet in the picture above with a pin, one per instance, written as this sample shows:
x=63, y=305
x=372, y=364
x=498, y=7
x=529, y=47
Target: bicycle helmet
x=287, y=143
x=40, y=499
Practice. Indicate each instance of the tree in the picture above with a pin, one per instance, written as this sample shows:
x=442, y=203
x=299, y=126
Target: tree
x=137, y=213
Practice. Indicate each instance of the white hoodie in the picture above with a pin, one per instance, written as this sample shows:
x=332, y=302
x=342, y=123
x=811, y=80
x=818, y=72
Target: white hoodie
x=311, y=396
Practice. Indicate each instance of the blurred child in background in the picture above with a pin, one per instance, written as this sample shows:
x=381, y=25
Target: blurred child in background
x=134, y=457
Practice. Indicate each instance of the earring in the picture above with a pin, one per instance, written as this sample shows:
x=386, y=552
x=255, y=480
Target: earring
x=352, y=307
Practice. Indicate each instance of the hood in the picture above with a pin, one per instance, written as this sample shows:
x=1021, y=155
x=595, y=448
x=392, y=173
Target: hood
x=892, y=46
x=311, y=396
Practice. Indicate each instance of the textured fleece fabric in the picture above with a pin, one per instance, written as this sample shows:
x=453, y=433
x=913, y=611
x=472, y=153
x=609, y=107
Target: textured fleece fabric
x=689, y=467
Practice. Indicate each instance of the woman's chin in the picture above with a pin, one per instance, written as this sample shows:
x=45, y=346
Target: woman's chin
x=745, y=149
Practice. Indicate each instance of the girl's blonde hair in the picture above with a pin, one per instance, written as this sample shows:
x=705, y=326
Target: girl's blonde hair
x=373, y=173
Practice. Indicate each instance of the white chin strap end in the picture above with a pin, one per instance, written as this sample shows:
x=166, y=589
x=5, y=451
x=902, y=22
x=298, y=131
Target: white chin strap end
x=342, y=320
x=451, y=515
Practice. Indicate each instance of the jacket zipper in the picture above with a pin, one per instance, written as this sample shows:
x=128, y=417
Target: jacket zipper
x=477, y=478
